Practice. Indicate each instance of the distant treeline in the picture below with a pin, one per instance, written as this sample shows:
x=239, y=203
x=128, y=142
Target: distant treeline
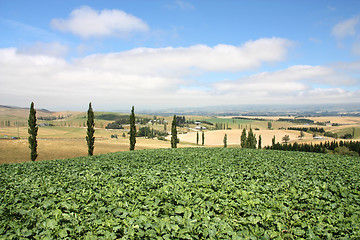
x=341, y=147
x=121, y=120
x=296, y=120
x=256, y=119
x=305, y=129
x=150, y=133
x=51, y=118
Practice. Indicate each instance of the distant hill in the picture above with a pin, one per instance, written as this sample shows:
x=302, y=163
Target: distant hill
x=14, y=107
x=313, y=110
x=21, y=112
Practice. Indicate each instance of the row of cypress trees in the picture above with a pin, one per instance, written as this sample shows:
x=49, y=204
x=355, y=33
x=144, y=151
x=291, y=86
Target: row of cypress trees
x=90, y=136
x=246, y=140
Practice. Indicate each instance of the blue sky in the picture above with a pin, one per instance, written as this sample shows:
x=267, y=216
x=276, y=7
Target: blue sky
x=178, y=53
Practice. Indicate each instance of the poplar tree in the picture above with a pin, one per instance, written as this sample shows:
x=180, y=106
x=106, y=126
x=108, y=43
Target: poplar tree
x=132, y=130
x=90, y=138
x=33, y=129
x=197, y=138
x=174, y=138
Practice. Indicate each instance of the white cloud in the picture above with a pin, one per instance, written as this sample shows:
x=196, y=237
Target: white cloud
x=181, y=60
x=292, y=85
x=54, y=49
x=87, y=22
x=286, y=81
x=163, y=77
x=346, y=28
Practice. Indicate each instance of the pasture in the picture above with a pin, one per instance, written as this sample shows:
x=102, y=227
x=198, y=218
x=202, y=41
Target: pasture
x=66, y=138
x=68, y=142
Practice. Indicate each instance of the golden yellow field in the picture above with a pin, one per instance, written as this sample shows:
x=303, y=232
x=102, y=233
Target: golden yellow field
x=14, y=151
x=66, y=142
x=215, y=138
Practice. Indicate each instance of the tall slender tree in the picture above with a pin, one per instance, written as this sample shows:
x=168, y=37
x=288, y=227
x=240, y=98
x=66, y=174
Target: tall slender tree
x=197, y=138
x=259, y=143
x=251, y=140
x=203, y=139
x=90, y=138
x=273, y=141
x=33, y=129
x=243, y=139
x=225, y=141
x=174, y=138
x=132, y=130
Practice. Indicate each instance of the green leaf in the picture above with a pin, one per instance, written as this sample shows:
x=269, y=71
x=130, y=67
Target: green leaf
x=179, y=209
x=63, y=233
x=298, y=232
x=51, y=223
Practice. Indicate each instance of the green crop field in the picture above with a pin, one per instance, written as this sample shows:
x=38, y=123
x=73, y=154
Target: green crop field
x=186, y=193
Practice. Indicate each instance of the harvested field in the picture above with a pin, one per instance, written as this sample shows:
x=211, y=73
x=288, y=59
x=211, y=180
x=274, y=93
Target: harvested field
x=215, y=138
x=15, y=151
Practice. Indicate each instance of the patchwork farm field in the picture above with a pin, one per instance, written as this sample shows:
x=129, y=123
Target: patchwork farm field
x=188, y=193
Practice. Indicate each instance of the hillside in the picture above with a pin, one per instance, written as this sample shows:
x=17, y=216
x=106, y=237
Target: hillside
x=186, y=193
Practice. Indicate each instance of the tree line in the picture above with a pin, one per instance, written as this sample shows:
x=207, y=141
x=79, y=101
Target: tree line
x=90, y=135
x=340, y=147
x=305, y=129
x=247, y=139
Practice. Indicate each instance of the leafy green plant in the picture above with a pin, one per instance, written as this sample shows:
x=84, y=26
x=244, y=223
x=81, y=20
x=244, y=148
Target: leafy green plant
x=185, y=193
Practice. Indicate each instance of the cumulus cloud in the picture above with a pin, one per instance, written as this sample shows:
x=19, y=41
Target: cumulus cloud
x=54, y=49
x=294, y=84
x=87, y=22
x=161, y=77
x=346, y=27
x=182, y=60
x=284, y=81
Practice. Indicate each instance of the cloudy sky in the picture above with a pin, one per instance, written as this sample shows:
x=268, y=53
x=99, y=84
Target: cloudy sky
x=178, y=53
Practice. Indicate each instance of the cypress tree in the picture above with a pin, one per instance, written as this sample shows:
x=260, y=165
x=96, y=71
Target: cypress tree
x=90, y=138
x=197, y=138
x=243, y=139
x=174, y=138
x=251, y=140
x=203, y=139
x=33, y=129
x=273, y=141
x=259, y=144
x=132, y=130
x=225, y=141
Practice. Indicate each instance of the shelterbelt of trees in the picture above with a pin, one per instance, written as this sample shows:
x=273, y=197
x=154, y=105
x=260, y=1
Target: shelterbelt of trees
x=341, y=147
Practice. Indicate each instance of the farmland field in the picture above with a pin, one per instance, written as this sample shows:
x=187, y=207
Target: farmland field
x=189, y=193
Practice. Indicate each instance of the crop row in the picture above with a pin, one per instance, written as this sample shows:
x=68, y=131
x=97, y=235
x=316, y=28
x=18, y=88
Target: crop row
x=183, y=194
